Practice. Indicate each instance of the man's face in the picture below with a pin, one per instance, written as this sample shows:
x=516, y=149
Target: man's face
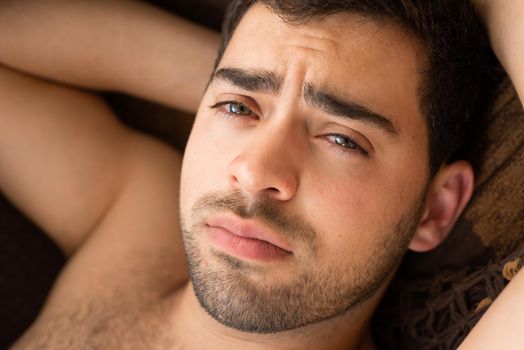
x=304, y=176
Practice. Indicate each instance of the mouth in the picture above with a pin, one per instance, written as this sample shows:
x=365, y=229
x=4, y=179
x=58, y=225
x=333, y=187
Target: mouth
x=246, y=239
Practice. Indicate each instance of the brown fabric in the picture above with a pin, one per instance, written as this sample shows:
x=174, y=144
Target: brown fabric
x=497, y=210
x=439, y=312
x=437, y=297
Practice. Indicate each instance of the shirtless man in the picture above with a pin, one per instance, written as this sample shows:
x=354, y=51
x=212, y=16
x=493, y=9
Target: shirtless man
x=310, y=170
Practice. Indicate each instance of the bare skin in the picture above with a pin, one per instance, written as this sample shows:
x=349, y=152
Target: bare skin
x=89, y=53
x=111, y=45
x=135, y=225
x=106, y=195
x=499, y=327
x=109, y=196
x=82, y=303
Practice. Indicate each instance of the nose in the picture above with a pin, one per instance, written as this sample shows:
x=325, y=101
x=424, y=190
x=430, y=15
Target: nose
x=265, y=168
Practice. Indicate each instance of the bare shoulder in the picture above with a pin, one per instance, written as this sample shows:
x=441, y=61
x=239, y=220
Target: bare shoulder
x=114, y=287
x=108, y=195
x=65, y=160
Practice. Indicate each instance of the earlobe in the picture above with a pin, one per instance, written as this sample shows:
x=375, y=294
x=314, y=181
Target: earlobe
x=447, y=197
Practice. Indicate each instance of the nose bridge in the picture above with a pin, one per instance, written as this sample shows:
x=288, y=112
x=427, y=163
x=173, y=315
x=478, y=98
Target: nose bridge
x=267, y=163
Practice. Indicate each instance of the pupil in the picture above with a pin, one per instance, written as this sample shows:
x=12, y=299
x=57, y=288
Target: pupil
x=344, y=142
x=239, y=109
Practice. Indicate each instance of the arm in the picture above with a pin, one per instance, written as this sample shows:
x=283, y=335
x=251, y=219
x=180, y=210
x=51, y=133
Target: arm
x=116, y=45
x=501, y=326
x=504, y=20
x=92, y=184
x=64, y=158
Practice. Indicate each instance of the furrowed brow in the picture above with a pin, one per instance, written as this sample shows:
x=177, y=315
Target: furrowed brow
x=250, y=80
x=349, y=110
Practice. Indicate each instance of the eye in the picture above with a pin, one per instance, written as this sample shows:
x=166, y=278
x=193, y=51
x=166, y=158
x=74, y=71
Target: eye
x=346, y=144
x=239, y=108
x=234, y=109
x=344, y=141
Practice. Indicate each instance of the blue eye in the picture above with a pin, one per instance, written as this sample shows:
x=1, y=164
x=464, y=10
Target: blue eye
x=238, y=108
x=346, y=144
x=234, y=109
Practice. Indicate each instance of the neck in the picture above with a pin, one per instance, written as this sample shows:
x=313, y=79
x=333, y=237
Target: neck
x=348, y=331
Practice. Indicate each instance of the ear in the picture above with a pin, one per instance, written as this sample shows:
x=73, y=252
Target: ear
x=447, y=197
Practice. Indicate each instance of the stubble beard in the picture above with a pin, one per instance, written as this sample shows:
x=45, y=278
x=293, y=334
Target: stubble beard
x=228, y=293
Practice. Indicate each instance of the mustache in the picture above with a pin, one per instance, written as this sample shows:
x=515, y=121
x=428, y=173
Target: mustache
x=293, y=227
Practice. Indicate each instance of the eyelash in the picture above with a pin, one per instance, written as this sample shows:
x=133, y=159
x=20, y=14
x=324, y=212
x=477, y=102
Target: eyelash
x=219, y=107
x=346, y=150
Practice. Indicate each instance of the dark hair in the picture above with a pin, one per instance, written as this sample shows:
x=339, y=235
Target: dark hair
x=459, y=78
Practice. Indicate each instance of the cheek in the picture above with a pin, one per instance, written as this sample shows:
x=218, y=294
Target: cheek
x=206, y=160
x=343, y=212
x=198, y=167
x=352, y=216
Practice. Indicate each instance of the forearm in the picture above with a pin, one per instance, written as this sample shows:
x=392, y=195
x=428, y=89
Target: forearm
x=124, y=46
x=501, y=325
x=505, y=22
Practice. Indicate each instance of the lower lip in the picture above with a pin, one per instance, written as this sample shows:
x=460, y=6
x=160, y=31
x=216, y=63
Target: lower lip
x=245, y=248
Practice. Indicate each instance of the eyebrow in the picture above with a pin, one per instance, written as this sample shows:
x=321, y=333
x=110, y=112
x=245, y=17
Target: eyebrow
x=269, y=82
x=250, y=80
x=349, y=110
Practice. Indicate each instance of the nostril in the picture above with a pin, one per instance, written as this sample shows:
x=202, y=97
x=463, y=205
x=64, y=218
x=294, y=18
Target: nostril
x=258, y=175
x=233, y=179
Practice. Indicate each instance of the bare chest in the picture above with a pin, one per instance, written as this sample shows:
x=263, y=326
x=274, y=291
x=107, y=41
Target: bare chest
x=103, y=327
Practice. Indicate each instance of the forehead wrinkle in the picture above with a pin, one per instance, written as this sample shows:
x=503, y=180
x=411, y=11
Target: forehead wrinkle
x=314, y=42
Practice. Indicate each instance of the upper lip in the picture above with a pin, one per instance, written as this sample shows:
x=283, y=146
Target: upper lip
x=248, y=229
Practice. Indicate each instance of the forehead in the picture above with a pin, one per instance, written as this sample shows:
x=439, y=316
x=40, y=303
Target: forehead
x=375, y=64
